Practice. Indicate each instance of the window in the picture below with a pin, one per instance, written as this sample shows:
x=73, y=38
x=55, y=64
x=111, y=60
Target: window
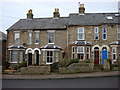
x=73, y=52
x=49, y=57
x=104, y=35
x=80, y=53
x=36, y=37
x=14, y=56
x=96, y=33
x=51, y=37
x=29, y=37
x=20, y=56
x=57, y=56
x=80, y=32
x=119, y=51
x=88, y=52
x=16, y=37
x=118, y=33
x=114, y=53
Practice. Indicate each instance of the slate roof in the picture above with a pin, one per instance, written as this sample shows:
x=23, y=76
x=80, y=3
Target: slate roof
x=93, y=19
x=50, y=46
x=40, y=23
x=16, y=47
x=63, y=22
x=115, y=43
x=81, y=43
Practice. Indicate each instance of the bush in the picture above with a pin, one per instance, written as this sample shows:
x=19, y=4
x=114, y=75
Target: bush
x=6, y=65
x=88, y=61
x=14, y=67
x=23, y=64
x=74, y=60
x=54, y=67
x=64, y=63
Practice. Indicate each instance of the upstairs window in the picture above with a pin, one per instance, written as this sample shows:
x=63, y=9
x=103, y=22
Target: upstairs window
x=36, y=37
x=96, y=33
x=51, y=37
x=80, y=33
x=118, y=33
x=16, y=37
x=29, y=37
x=104, y=33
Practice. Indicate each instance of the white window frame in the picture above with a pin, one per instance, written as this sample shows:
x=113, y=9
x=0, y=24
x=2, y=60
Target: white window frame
x=36, y=37
x=57, y=56
x=88, y=52
x=53, y=41
x=114, y=54
x=78, y=33
x=16, y=35
x=118, y=33
x=49, y=57
x=81, y=52
x=15, y=53
x=73, y=52
x=96, y=32
x=104, y=33
x=29, y=38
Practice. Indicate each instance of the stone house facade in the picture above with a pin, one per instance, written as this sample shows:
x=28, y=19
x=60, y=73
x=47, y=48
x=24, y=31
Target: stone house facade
x=41, y=41
x=3, y=39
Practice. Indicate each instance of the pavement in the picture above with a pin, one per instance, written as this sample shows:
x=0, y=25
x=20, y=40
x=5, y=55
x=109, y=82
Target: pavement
x=60, y=76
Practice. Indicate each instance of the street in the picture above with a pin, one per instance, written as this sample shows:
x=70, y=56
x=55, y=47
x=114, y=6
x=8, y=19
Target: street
x=96, y=82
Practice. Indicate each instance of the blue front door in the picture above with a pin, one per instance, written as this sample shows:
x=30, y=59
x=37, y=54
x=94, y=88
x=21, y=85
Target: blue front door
x=104, y=55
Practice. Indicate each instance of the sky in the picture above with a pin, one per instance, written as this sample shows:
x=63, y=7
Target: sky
x=13, y=10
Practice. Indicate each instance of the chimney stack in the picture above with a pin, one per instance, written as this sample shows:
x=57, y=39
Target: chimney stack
x=30, y=14
x=81, y=9
x=56, y=13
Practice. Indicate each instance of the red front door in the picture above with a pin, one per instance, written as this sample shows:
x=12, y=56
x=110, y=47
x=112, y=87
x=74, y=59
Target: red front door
x=96, y=57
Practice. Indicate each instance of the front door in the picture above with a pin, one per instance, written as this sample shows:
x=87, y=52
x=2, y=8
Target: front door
x=104, y=54
x=37, y=58
x=29, y=58
x=96, y=56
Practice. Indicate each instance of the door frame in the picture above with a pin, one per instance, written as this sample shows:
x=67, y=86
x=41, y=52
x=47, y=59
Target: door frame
x=94, y=55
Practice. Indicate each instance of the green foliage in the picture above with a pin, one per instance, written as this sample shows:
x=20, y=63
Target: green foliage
x=54, y=67
x=88, y=61
x=6, y=65
x=74, y=60
x=23, y=64
x=14, y=67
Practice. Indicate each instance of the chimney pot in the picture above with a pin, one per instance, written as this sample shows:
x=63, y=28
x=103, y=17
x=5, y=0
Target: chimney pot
x=56, y=13
x=81, y=9
x=30, y=14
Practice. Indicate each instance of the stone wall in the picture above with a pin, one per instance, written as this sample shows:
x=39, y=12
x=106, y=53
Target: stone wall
x=35, y=70
x=77, y=68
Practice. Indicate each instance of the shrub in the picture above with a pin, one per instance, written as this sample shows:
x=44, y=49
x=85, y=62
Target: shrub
x=6, y=65
x=64, y=63
x=88, y=61
x=54, y=67
x=14, y=67
x=23, y=64
x=74, y=60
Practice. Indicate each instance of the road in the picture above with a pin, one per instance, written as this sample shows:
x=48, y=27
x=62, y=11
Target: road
x=96, y=82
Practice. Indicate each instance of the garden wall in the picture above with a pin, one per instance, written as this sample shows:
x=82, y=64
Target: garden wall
x=77, y=68
x=35, y=70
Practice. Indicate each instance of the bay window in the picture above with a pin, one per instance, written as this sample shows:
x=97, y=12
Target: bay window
x=80, y=53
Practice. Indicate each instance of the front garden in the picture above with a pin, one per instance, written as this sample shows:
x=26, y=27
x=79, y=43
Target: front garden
x=63, y=67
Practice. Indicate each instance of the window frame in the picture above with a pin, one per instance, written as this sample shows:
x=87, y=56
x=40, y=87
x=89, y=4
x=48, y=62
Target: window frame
x=118, y=33
x=73, y=52
x=53, y=38
x=15, y=37
x=81, y=52
x=88, y=53
x=36, y=37
x=96, y=28
x=29, y=38
x=49, y=57
x=114, y=53
x=104, y=28
x=79, y=32
x=14, y=53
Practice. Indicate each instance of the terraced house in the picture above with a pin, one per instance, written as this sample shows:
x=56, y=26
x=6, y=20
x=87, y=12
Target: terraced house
x=41, y=41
